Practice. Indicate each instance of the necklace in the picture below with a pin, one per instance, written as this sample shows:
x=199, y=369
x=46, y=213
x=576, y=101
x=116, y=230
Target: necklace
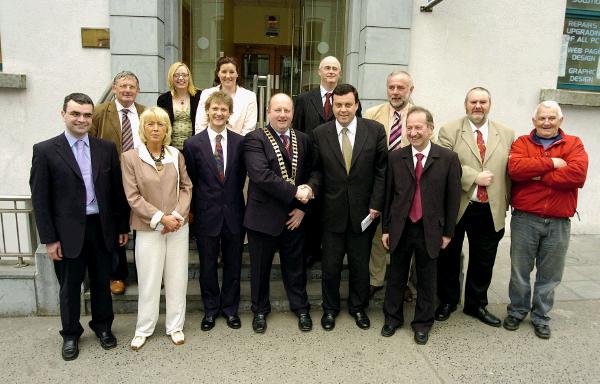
x=159, y=159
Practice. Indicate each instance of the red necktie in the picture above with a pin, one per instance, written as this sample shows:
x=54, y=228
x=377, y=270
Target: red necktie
x=126, y=135
x=395, y=132
x=219, y=157
x=482, y=194
x=327, y=106
x=286, y=144
x=416, y=209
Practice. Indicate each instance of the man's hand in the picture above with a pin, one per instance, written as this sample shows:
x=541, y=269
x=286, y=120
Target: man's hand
x=171, y=224
x=54, y=251
x=385, y=239
x=295, y=219
x=445, y=242
x=123, y=237
x=558, y=162
x=374, y=213
x=485, y=178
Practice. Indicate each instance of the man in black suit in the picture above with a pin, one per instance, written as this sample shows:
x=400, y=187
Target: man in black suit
x=80, y=210
x=422, y=199
x=278, y=160
x=215, y=164
x=350, y=158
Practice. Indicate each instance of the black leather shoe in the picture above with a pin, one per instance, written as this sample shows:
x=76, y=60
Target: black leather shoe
x=511, y=323
x=443, y=312
x=484, y=316
x=542, y=331
x=107, y=339
x=388, y=330
x=233, y=321
x=208, y=323
x=304, y=322
x=259, y=323
x=373, y=289
x=362, y=320
x=328, y=321
x=421, y=337
x=70, y=349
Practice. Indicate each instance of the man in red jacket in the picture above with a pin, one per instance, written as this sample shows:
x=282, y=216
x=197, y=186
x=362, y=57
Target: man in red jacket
x=547, y=167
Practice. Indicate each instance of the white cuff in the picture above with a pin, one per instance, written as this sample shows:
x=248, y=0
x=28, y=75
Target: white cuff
x=156, y=218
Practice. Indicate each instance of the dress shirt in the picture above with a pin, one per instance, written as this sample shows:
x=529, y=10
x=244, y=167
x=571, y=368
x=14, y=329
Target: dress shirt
x=351, y=131
x=425, y=153
x=287, y=133
x=212, y=135
x=484, y=132
x=403, y=113
x=323, y=93
x=134, y=119
x=92, y=207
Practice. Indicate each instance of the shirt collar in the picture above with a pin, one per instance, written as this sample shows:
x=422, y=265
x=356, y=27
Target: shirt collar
x=212, y=135
x=425, y=151
x=402, y=111
x=120, y=107
x=351, y=127
x=72, y=139
x=287, y=133
x=484, y=127
x=324, y=91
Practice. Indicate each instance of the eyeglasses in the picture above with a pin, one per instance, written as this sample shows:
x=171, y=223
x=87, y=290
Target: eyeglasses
x=182, y=75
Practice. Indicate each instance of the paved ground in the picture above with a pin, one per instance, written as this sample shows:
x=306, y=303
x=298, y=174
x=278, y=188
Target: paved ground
x=461, y=350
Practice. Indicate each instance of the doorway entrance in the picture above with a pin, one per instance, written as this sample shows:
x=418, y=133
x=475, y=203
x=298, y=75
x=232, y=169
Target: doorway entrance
x=278, y=43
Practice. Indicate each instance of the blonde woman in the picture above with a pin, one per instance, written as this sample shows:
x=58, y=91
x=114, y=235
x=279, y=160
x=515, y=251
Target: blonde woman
x=158, y=190
x=227, y=79
x=180, y=102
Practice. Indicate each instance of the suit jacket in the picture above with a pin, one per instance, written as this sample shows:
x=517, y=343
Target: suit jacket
x=245, y=111
x=440, y=195
x=165, y=101
x=106, y=124
x=59, y=197
x=354, y=193
x=381, y=114
x=214, y=202
x=458, y=136
x=270, y=197
x=309, y=113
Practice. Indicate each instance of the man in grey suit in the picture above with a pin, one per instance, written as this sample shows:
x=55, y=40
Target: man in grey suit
x=482, y=146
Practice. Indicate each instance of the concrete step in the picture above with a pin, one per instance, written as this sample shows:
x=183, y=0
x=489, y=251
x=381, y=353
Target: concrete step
x=127, y=303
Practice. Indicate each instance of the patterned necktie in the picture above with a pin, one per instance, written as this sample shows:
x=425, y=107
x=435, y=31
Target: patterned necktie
x=346, y=149
x=482, y=194
x=416, y=209
x=86, y=171
x=395, y=132
x=219, y=158
x=286, y=144
x=126, y=135
x=327, y=106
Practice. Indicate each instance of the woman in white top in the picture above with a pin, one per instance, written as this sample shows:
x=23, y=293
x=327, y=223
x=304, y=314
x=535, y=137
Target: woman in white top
x=245, y=111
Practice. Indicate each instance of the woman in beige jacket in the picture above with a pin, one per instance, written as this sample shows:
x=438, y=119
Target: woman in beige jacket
x=158, y=190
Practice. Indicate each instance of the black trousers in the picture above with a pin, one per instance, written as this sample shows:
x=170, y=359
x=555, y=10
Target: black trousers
x=478, y=224
x=358, y=248
x=227, y=298
x=70, y=274
x=412, y=240
x=262, y=249
x=313, y=227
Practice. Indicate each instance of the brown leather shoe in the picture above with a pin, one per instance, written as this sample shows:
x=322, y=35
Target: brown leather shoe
x=117, y=287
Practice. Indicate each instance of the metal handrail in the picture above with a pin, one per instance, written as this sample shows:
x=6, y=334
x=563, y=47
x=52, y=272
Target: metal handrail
x=6, y=214
x=107, y=95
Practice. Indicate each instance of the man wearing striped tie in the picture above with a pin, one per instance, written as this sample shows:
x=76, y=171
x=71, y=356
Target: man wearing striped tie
x=392, y=114
x=118, y=121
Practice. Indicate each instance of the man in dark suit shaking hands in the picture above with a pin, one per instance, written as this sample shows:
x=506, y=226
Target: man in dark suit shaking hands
x=422, y=199
x=350, y=158
x=80, y=210
x=278, y=160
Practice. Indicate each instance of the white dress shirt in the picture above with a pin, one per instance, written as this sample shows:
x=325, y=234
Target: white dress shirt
x=425, y=153
x=484, y=133
x=323, y=93
x=212, y=135
x=134, y=119
x=351, y=131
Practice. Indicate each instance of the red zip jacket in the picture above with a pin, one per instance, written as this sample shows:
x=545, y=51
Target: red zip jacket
x=537, y=187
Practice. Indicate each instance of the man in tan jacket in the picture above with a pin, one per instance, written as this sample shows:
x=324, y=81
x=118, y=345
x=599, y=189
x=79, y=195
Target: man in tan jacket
x=482, y=146
x=392, y=114
x=118, y=121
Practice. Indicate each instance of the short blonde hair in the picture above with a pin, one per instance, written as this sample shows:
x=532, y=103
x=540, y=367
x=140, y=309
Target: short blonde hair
x=191, y=88
x=155, y=114
x=219, y=97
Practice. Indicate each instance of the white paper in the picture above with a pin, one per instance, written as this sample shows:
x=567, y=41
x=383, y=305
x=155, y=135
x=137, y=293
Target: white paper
x=366, y=222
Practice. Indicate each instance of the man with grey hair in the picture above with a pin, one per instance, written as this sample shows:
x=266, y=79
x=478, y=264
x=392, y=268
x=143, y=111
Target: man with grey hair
x=482, y=146
x=392, y=115
x=118, y=121
x=547, y=167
